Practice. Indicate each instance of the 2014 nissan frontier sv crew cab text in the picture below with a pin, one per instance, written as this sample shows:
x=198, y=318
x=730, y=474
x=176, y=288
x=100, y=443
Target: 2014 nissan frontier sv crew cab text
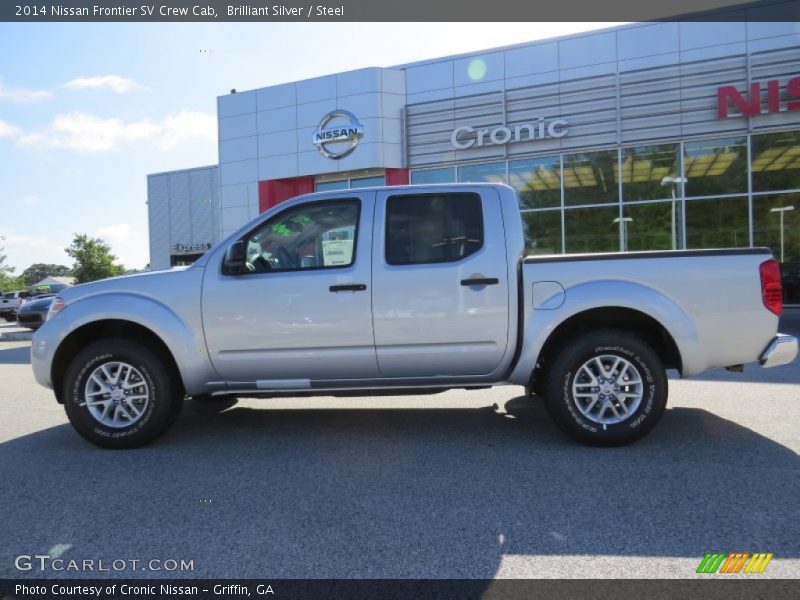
x=406, y=290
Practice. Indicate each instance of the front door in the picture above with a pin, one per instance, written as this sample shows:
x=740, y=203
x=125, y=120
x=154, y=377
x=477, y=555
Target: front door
x=300, y=308
x=440, y=283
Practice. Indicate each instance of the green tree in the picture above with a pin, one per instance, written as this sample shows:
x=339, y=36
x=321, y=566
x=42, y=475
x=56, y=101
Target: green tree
x=93, y=259
x=38, y=271
x=8, y=281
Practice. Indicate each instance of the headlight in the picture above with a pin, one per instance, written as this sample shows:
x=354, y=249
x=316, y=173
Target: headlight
x=56, y=307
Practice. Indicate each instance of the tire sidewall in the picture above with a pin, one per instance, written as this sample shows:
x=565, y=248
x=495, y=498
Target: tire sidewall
x=564, y=407
x=157, y=413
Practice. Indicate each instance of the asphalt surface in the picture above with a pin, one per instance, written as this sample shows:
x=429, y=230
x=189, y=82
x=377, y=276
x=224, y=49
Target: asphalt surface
x=441, y=486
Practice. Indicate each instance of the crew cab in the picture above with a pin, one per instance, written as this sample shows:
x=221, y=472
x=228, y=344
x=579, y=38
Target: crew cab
x=410, y=289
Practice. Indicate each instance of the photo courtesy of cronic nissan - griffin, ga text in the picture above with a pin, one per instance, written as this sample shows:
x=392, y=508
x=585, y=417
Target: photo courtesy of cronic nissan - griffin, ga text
x=408, y=289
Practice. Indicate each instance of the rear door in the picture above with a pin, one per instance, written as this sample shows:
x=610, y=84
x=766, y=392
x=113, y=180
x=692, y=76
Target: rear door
x=440, y=283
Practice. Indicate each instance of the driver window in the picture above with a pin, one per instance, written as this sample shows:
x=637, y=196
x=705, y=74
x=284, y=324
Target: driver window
x=318, y=235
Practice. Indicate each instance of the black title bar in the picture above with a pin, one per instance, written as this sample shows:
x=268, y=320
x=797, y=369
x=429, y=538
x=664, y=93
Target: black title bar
x=397, y=10
x=705, y=588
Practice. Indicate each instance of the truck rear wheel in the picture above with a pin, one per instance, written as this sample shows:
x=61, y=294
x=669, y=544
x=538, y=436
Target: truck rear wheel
x=606, y=388
x=119, y=394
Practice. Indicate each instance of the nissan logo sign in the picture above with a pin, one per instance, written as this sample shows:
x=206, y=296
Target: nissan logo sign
x=338, y=133
x=466, y=137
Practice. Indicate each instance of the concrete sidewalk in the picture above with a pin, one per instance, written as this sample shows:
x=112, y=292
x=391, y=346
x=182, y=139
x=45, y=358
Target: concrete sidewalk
x=12, y=332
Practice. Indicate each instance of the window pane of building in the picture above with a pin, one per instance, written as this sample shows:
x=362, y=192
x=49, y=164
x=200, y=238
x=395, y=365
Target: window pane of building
x=776, y=224
x=445, y=175
x=592, y=229
x=537, y=181
x=718, y=223
x=362, y=182
x=542, y=231
x=653, y=226
x=589, y=178
x=715, y=167
x=327, y=186
x=776, y=161
x=485, y=172
x=650, y=172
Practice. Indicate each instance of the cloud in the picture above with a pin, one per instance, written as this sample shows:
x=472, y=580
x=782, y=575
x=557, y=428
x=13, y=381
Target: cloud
x=24, y=250
x=115, y=233
x=30, y=200
x=129, y=245
x=85, y=133
x=23, y=96
x=186, y=125
x=113, y=83
x=7, y=130
x=82, y=132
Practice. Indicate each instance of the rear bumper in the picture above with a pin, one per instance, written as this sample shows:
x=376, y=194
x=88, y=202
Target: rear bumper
x=781, y=351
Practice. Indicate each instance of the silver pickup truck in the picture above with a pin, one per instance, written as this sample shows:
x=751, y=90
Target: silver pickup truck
x=406, y=290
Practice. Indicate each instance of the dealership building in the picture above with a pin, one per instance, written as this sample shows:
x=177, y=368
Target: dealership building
x=649, y=136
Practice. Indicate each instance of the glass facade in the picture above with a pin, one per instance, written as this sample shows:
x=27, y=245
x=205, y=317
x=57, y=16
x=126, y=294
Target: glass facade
x=428, y=176
x=537, y=180
x=589, y=178
x=353, y=182
x=483, y=173
x=722, y=192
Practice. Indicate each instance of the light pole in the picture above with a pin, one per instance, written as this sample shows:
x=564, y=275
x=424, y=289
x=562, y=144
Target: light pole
x=672, y=182
x=780, y=210
x=625, y=221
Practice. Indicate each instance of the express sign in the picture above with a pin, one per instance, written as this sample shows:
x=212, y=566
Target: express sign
x=188, y=248
x=728, y=96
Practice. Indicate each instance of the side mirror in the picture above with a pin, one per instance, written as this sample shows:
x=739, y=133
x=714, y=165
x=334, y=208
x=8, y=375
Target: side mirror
x=234, y=258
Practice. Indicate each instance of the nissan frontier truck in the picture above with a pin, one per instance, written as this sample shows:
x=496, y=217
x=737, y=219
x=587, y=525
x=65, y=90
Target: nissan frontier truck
x=398, y=290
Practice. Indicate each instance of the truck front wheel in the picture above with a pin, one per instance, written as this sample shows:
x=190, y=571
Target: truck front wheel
x=119, y=394
x=606, y=388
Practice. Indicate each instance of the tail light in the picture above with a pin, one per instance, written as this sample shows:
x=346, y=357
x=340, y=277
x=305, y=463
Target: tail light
x=56, y=307
x=771, y=290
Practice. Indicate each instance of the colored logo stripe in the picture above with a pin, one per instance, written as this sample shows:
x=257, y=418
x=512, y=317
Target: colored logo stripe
x=710, y=563
x=758, y=563
x=734, y=562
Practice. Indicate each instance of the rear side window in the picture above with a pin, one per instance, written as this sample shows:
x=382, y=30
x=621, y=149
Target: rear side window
x=433, y=228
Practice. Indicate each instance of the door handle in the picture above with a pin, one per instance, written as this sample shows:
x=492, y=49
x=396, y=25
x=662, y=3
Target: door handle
x=349, y=287
x=481, y=281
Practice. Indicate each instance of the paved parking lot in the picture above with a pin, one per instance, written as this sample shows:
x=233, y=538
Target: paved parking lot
x=441, y=486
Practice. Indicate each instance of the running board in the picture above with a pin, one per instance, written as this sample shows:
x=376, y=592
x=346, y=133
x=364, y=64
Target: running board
x=283, y=384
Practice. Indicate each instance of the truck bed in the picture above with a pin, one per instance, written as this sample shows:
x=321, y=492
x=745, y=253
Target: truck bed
x=708, y=300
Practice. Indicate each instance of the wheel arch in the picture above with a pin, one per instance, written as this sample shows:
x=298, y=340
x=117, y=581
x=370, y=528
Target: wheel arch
x=631, y=320
x=107, y=328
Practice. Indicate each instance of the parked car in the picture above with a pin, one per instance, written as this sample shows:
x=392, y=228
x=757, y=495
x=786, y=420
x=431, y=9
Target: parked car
x=10, y=303
x=406, y=290
x=33, y=313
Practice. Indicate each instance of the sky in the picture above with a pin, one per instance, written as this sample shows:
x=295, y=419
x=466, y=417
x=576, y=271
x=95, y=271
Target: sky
x=87, y=110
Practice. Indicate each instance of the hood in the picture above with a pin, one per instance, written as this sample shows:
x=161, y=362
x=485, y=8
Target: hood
x=151, y=283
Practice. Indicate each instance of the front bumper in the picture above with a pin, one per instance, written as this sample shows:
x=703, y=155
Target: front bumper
x=31, y=320
x=781, y=351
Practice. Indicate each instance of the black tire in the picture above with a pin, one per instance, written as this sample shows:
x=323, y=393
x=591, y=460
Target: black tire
x=164, y=398
x=565, y=367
